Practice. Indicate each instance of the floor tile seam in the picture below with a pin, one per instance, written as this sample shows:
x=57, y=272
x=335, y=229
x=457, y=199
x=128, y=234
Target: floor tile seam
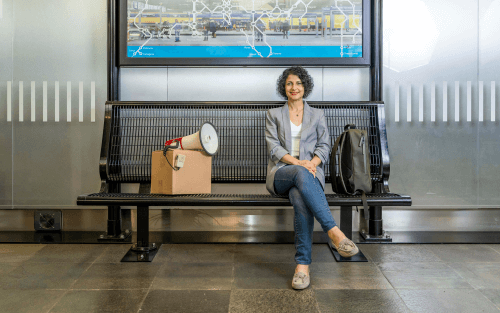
x=333, y=288
x=433, y=253
x=315, y=299
x=189, y=289
x=103, y=289
x=85, y=271
x=423, y=262
x=271, y=263
x=484, y=296
x=404, y=302
x=264, y=289
x=148, y=290
x=382, y=272
x=409, y=271
x=230, y=262
x=392, y=286
x=461, y=276
x=436, y=288
x=493, y=249
x=56, y=262
x=78, y=289
x=58, y=300
x=233, y=276
x=170, y=261
x=474, y=262
x=76, y=279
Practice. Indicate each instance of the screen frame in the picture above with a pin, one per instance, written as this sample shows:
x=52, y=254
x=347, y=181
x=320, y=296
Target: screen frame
x=363, y=61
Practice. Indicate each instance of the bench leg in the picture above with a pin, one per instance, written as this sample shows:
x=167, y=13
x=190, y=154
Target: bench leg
x=114, y=229
x=142, y=251
x=375, y=231
x=346, y=221
x=346, y=228
x=114, y=221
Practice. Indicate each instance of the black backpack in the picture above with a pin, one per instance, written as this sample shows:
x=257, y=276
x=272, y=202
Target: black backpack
x=353, y=155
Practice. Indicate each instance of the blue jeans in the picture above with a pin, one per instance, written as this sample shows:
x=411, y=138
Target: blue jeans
x=309, y=202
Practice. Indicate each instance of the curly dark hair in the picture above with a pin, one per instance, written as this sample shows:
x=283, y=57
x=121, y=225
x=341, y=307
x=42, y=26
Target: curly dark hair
x=299, y=71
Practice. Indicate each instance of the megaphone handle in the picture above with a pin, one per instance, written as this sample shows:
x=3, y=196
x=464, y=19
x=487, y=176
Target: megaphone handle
x=165, y=155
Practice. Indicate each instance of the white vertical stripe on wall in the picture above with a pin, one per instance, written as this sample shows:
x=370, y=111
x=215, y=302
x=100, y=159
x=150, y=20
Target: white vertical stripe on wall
x=396, y=102
x=80, y=102
x=56, y=104
x=21, y=102
x=421, y=103
x=469, y=101
x=92, y=102
x=433, y=102
x=481, y=102
x=408, y=104
x=33, y=100
x=457, y=101
x=493, y=101
x=68, y=102
x=45, y=101
x=445, y=102
x=9, y=101
x=1, y=9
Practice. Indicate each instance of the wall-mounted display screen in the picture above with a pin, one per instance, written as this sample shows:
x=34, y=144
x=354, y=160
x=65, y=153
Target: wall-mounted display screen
x=218, y=30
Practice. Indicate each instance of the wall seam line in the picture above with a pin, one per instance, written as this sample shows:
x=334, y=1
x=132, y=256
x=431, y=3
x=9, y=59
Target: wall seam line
x=323, y=83
x=12, y=79
x=477, y=124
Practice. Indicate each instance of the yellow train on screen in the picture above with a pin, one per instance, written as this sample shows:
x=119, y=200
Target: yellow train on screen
x=339, y=20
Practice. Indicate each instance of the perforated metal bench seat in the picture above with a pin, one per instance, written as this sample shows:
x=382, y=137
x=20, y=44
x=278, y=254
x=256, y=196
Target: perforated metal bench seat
x=133, y=199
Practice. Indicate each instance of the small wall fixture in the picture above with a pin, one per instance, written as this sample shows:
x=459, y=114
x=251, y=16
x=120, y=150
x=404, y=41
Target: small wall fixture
x=47, y=220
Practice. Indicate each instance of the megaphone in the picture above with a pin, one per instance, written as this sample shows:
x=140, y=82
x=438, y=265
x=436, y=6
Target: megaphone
x=205, y=139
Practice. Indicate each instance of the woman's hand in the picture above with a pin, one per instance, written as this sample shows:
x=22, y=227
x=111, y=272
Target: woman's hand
x=310, y=166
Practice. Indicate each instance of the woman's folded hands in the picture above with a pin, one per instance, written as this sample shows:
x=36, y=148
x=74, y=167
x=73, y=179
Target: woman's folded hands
x=310, y=166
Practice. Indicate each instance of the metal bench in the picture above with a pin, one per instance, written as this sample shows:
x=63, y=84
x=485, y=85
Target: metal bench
x=133, y=130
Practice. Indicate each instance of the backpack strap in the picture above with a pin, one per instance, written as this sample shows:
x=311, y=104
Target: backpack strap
x=365, y=205
x=333, y=172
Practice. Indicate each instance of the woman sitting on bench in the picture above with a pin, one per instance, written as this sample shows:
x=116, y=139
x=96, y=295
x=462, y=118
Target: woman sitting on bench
x=298, y=146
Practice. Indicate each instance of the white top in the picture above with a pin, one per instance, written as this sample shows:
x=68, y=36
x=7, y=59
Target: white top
x=296, y=132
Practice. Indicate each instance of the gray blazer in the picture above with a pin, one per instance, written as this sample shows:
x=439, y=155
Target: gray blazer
x=314, y=140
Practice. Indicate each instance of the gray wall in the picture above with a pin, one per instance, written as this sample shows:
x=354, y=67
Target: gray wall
x=441, y=164
x=48, y=163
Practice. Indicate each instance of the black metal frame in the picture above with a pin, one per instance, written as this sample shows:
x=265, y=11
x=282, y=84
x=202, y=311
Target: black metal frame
x=372, y=56
x=375, y=231
x=364, y=61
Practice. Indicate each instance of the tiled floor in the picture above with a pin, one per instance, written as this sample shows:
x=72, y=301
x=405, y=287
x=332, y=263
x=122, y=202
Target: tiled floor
x=248, y=278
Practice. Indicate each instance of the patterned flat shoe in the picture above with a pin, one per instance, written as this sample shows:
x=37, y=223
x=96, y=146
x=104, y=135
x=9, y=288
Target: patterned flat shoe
x=300, y=281
x=346, y=248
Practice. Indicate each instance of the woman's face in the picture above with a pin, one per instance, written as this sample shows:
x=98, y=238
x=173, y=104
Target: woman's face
x=294, y=88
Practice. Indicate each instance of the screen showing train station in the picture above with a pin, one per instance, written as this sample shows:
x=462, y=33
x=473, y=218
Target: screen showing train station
x=244, y=28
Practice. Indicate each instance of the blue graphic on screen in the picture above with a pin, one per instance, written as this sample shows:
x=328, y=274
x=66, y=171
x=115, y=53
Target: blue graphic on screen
x=244, y=29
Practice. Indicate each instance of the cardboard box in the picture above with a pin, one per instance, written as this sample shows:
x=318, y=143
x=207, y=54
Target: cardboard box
x=193, y=178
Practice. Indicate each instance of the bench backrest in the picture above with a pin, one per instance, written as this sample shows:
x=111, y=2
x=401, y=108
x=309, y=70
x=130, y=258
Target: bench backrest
x=133, y=130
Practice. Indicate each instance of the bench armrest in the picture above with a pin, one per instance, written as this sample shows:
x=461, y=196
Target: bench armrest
x=103, y=160
x=383, y=187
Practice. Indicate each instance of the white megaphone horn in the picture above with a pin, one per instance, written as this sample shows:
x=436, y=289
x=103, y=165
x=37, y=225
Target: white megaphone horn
x=205, y=139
